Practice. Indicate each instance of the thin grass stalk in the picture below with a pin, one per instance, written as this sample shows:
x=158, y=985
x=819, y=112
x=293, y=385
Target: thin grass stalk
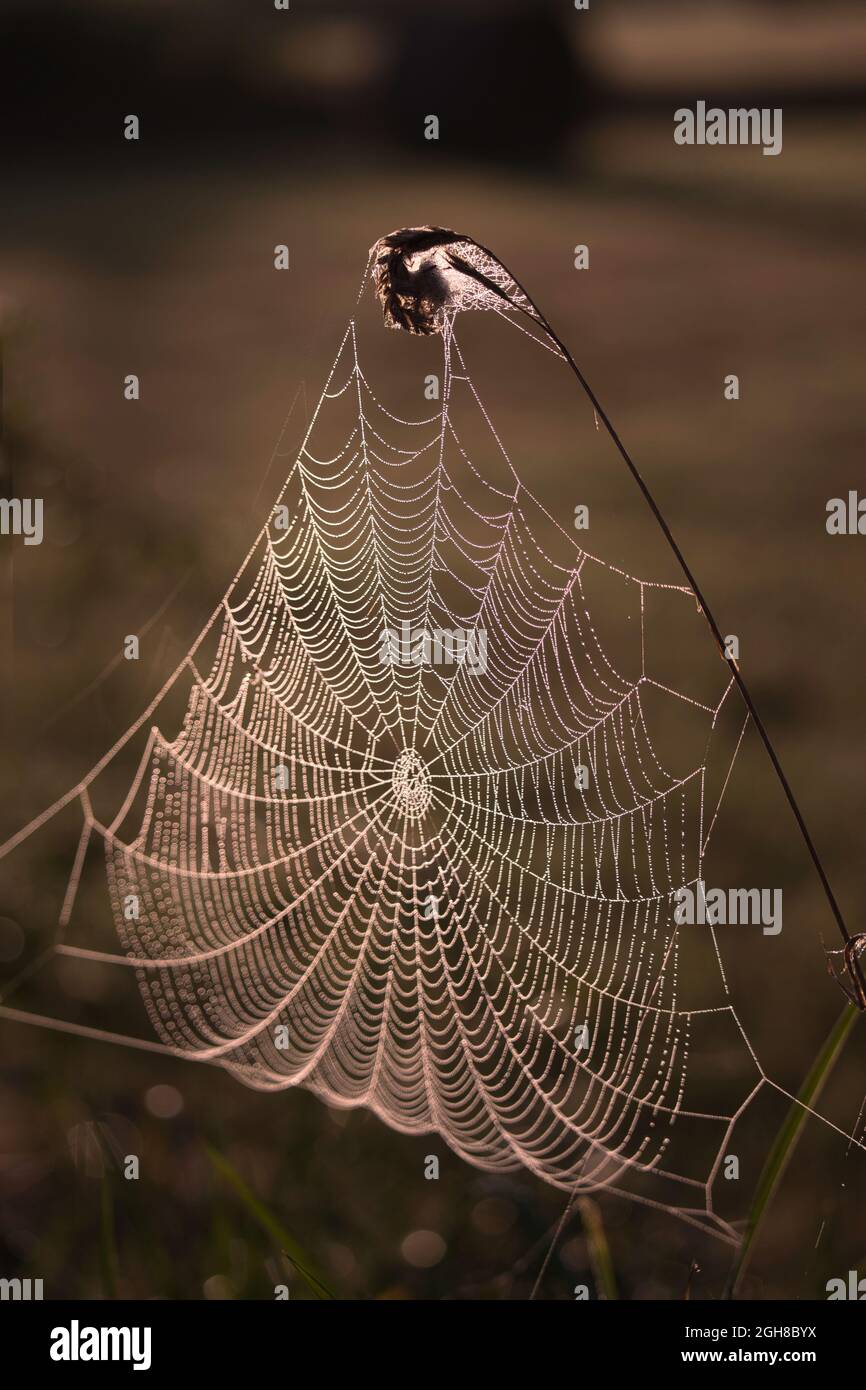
x=272, y=1224
x=786, y=1141
x=600, y=1259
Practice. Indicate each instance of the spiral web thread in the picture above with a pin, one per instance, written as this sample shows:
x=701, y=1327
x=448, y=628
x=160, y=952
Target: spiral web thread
x=384, y=882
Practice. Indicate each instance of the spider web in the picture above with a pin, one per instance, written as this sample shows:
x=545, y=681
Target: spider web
x=389, y=881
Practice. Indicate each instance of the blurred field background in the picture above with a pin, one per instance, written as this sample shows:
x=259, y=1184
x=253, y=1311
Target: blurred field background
x=157, y=258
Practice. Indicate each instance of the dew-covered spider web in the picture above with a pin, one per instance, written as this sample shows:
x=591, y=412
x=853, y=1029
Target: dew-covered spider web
x=441, y=889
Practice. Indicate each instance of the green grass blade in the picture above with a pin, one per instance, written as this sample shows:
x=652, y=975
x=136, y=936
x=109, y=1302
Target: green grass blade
x=108, y=1262
x=270, y=1223
x=600, y=1259
x=786, y=1140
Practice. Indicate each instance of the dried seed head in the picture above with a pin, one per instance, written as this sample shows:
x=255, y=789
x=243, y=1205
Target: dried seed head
x=422, y=274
